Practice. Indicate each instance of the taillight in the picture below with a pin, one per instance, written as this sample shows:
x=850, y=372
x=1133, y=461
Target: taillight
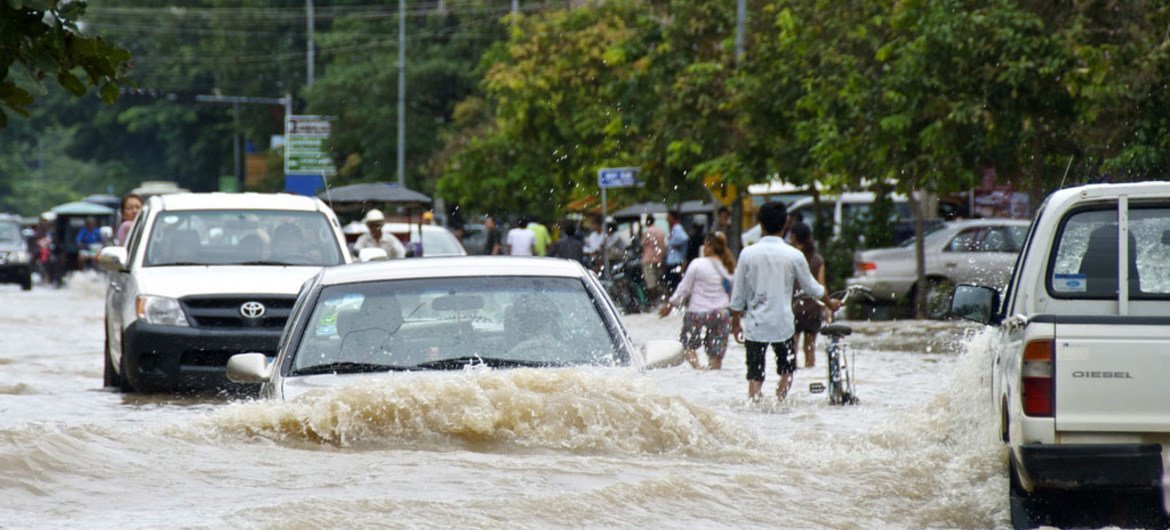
x=866, y=266
x=1039, y=391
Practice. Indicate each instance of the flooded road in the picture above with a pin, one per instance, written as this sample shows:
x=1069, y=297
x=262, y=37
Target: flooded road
x=490, y=448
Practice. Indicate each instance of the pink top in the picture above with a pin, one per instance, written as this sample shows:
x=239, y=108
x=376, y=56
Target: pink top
x=702, y=287
x=123, y=231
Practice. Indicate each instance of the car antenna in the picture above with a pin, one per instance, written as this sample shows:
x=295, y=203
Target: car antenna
x=1066, y=168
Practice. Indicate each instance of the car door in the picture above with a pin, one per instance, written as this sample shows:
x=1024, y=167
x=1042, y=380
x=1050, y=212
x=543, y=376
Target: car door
x=117, y=295
x=958, y=259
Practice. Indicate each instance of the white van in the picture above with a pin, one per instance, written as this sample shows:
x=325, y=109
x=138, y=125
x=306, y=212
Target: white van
x=205, y=276
x=847, y=207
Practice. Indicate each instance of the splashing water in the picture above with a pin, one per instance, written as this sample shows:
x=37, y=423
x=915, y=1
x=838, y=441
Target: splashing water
x=577, y=410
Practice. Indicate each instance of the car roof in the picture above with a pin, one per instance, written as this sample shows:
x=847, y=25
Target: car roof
x=964, y=223
x=238, y=201
x=450, y=267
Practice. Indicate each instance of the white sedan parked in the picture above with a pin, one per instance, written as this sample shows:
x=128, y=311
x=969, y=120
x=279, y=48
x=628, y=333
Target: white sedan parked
x=374, y=319
x=980, y=251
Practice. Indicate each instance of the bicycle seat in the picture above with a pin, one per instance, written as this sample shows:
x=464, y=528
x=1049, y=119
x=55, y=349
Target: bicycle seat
x=836, y=330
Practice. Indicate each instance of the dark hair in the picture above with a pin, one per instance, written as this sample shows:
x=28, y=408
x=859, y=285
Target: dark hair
x=674, y=214
x=724, y=209
x=650, y=220
x=569, y=228
x=489, y=216
x=772, y=216
x=129, y=196
x=716, y=244
x=802, y=235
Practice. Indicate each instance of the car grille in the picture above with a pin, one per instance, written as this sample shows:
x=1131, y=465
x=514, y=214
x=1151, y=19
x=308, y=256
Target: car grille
x=224, y=312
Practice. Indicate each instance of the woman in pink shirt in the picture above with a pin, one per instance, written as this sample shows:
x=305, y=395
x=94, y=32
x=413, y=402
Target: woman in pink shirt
x=706, y=291
x=131, y=205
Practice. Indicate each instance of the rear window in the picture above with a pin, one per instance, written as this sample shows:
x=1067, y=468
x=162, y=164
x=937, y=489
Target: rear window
x=1086, y=261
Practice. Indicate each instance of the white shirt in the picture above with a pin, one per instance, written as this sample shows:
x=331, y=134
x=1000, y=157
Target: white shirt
x=763, y=289
x=390, y=243
x=702, y=287
x=521, y=241
x=593, y=242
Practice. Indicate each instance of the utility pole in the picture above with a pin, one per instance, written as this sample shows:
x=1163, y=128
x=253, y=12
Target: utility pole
x=735, y=242
x=309, y=52
x=740, y=29
x=515, y=9
x=402, y=93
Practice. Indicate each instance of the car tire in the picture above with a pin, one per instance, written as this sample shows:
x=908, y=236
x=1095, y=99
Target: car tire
x=1028, y=510
x=114, y=378
x=26, y=283
x=938, y=298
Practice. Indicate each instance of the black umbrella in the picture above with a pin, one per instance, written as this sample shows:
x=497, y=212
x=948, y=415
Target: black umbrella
x=378, y=192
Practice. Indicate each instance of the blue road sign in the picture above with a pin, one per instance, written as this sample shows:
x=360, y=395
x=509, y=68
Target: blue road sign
x=617, y=177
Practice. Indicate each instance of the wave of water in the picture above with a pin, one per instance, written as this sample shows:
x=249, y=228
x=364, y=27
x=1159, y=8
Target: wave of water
x=592, y=410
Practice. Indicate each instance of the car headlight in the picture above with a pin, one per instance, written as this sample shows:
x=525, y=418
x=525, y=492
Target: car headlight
x=160, y=310
x=18, y=256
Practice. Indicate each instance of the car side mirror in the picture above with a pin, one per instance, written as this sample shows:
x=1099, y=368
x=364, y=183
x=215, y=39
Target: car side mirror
x=976, y=303
x=661, y=354
x=112, y=259
x=249, y=368
x=372, y=254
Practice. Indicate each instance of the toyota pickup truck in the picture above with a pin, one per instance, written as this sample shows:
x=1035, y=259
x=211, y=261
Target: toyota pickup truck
x=205, y=276
x=1081, y=374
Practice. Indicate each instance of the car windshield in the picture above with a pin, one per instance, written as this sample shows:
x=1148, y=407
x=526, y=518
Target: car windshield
x=9, y=232
x=449, y=323
x=242, y=237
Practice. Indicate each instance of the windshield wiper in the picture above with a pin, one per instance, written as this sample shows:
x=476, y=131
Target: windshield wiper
x=349, y=367
x=267, y=262
x=456, y=363
x=181, y=264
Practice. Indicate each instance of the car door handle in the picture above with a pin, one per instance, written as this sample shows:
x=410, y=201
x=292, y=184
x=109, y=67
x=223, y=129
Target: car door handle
x=950, y=264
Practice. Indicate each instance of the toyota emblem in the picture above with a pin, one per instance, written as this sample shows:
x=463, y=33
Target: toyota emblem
x=252, y=310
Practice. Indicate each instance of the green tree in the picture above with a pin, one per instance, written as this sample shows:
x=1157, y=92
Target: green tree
x=43, y=39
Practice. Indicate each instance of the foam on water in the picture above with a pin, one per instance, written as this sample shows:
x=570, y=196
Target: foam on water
x=590, y=410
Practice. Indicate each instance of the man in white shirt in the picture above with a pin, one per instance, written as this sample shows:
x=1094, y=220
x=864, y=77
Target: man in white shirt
x=521, y=241
x=375, y=238
x=761, y=300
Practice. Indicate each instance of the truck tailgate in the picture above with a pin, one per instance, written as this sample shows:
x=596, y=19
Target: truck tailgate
x=1112, y=377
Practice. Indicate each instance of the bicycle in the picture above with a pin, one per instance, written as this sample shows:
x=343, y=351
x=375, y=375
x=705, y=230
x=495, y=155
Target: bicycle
x=840, y=377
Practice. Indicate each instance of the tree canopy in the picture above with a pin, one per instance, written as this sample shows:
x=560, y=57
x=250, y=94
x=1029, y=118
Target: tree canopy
x=517, y=113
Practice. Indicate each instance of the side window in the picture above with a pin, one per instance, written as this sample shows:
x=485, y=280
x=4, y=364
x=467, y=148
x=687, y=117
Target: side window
x=965, y=241
x=134, y=239
x=997, y=239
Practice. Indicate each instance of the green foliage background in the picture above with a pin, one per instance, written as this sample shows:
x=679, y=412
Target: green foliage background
x=515, y=115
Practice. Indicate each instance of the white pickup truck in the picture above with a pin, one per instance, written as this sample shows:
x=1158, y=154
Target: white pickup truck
x=1081, y=377
x=205, y=276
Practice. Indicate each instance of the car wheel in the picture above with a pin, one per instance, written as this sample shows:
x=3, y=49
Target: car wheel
x=26, y=283
x=114, y=378
x=938, y=297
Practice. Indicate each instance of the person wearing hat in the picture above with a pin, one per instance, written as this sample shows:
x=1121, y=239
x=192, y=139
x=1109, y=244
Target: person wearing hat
x=375, y=238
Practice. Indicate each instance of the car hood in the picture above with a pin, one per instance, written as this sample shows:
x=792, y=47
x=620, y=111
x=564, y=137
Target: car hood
x=176, y=282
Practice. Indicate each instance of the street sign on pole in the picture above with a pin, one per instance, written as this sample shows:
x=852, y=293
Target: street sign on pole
x=304, y=146
x=306, y=158
x=618, y=177
x=613, y=177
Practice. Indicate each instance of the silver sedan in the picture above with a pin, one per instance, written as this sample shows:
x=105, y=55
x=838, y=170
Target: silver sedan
x=380, y=319
x=981, y=251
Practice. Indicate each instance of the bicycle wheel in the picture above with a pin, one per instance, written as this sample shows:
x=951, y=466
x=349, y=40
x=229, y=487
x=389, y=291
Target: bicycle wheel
x=836, y=391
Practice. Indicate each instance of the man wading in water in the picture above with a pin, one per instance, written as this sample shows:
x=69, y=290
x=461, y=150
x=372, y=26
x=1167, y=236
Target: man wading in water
x=762, y=297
